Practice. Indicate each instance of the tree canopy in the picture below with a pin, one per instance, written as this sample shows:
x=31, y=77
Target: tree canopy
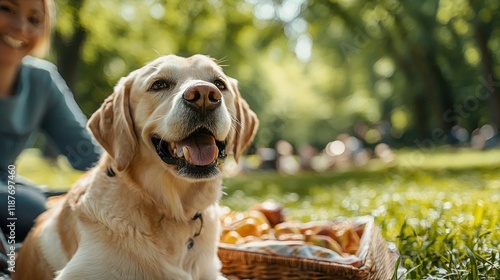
x=398, y=71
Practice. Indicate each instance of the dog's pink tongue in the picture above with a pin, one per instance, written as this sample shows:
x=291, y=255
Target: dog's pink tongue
x=202, y=149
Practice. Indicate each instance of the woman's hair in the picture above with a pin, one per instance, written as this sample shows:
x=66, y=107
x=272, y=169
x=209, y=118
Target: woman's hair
x=41, y=49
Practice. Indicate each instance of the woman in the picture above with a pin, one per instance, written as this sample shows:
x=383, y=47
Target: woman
x=33, y=97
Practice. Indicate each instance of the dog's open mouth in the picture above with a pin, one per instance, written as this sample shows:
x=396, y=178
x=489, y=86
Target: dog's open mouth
x=198, y=155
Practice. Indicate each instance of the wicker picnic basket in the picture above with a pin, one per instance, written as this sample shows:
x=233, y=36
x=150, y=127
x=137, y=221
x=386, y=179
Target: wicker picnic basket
x=378, y=263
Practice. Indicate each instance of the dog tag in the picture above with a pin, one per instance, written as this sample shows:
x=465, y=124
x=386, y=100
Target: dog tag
x=190, y=243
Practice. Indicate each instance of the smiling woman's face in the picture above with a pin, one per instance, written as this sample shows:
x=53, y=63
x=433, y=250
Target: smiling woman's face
x=21, y=27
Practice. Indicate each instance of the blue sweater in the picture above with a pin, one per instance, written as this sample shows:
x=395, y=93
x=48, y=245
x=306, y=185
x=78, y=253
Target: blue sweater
x=43, y=102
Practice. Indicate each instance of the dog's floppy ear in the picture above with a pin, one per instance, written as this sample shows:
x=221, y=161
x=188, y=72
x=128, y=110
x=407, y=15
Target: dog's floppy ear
x=245, y=126
x=112, y=125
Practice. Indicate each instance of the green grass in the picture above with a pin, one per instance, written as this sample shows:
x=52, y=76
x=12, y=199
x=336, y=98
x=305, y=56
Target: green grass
x=441, y=208
x=55, y=175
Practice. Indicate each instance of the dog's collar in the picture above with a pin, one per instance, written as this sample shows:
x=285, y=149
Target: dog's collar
x=196, y=216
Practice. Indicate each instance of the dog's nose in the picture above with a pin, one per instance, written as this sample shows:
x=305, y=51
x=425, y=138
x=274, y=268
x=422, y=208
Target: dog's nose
x=203, y=96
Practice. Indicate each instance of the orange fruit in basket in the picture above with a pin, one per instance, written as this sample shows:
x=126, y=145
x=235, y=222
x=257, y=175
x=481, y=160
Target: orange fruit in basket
x=259, y=216
x=248, y=226
x=316, y=226
x=272, y=210
x=231, y=237
x=349, y=240
x=287, y=228
x=325, y=242
x=326, y=231
x=265, y=228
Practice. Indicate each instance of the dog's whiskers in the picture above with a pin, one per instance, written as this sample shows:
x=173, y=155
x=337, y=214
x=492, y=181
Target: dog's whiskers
x=220, y=61
x=156, y=51
x=235, y=122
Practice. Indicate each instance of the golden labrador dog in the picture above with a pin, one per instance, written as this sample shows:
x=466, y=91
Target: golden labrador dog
x=149, y=209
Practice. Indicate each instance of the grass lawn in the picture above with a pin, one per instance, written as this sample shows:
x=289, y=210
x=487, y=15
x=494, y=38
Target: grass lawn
x=441, y=207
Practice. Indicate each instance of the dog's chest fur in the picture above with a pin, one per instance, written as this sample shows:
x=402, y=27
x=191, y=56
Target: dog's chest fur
x=142, y=237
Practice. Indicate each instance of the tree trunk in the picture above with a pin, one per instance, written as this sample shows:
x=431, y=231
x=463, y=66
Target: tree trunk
x=68, y=48
x=68, y=55
x=435, y=87
x=488, y=74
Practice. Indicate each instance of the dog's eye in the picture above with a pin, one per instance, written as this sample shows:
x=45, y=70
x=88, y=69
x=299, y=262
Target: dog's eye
x=160, y=85
x=220, y=84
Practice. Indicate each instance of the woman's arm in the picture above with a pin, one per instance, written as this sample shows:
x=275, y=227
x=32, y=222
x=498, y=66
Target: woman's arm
x=64, y=123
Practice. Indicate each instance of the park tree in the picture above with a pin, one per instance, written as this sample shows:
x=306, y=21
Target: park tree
x=310, y=69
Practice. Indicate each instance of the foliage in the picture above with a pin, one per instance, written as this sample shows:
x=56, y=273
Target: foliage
x=441, y=208
x=310, y=69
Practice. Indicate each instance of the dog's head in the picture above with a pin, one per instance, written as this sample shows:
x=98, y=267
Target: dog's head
x=184, y=112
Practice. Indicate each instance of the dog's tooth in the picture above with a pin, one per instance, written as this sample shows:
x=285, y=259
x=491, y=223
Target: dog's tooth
x=185, y=150
x=174, y=151
x=216, y=151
